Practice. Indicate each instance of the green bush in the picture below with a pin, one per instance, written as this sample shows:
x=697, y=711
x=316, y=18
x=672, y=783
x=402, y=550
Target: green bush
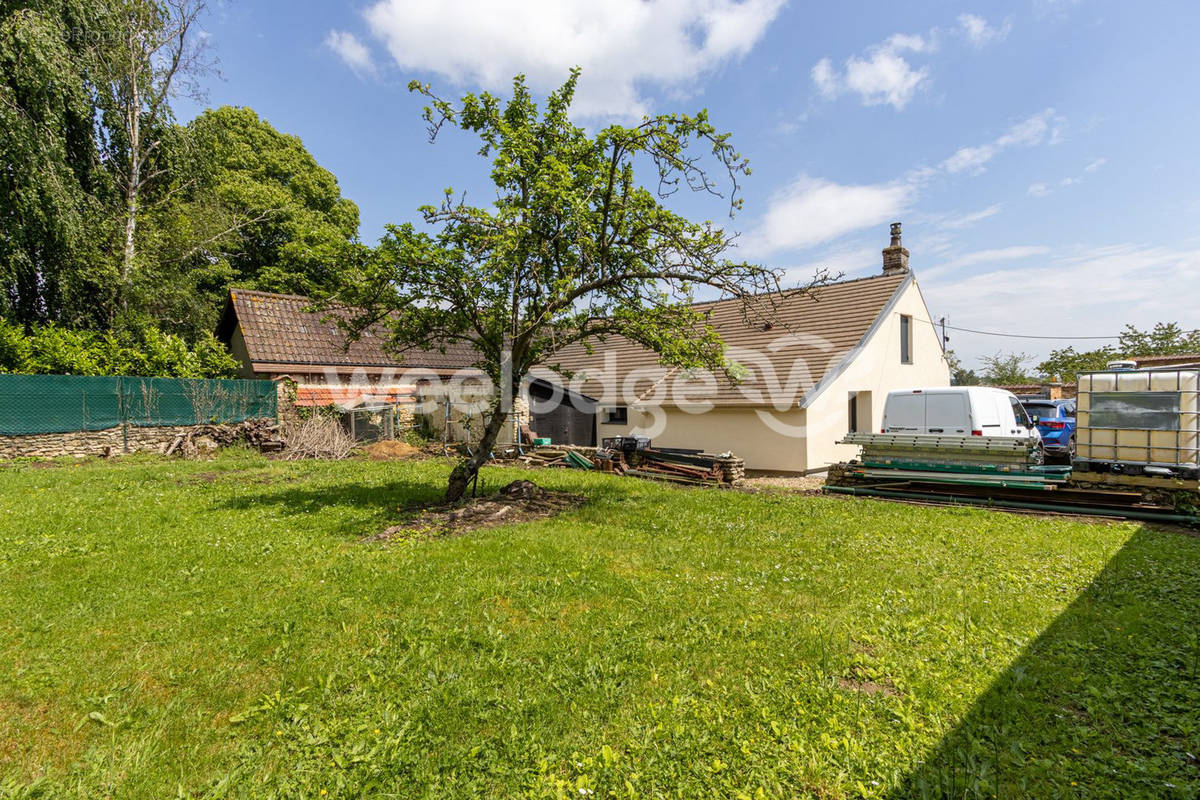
x=144, y=352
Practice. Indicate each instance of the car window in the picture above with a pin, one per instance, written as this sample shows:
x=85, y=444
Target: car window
x=1043, y=410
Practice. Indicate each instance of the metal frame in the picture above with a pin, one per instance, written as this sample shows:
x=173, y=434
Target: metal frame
x=1178, y=449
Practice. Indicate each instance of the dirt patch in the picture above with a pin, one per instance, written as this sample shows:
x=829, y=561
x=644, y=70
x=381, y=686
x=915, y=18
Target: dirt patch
x=791, y=483
x=519, y=501
x=391, y=451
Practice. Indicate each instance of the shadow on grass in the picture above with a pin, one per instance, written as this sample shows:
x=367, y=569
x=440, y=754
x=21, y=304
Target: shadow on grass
x=387, y=504
x=1105, y=703
x=383, y=502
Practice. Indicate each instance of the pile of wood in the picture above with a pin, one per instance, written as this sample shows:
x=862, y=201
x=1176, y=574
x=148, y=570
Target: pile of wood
x=696, y=469
x=262, y=434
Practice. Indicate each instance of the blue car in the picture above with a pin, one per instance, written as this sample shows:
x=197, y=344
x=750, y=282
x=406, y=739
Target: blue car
x=1055, y=421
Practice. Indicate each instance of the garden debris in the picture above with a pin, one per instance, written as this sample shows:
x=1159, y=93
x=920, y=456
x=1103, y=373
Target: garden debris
x=519, y=501
x=319, y=436
x=391, y=450
x=261, y=434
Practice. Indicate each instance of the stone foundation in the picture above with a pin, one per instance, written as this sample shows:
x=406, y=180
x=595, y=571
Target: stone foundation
x=81, y=444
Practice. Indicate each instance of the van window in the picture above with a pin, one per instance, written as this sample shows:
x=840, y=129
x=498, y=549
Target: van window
x=905, y=339
x=905, y=412
x=947, y=411
x=1019, y=412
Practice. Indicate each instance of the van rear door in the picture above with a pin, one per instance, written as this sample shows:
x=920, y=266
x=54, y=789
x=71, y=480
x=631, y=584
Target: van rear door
x=905, y=413
x=947, y=413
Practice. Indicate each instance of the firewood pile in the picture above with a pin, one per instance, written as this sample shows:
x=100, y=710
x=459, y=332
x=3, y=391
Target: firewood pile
x=262, y=434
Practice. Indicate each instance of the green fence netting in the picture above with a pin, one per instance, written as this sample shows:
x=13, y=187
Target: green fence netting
x=65, y=403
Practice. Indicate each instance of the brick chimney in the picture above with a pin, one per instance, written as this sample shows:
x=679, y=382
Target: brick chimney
x=895, y=255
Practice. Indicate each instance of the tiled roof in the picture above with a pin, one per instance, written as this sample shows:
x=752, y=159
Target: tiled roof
x=353, y=396
x=278, y=330
x=1177, y=360
x=814, y=332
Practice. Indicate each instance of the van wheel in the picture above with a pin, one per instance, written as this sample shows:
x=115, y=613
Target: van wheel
x=1039, y=455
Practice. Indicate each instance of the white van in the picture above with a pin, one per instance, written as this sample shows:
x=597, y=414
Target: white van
x=958, y=411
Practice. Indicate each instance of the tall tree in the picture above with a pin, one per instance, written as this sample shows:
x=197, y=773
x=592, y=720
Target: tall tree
x=292, y=227
x=1006, y=369
x=573, y=249
x=155, y=56
x=52, y=183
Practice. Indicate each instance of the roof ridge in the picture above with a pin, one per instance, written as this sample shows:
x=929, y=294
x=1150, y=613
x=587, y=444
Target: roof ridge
x=802, y=290
x=259, y=292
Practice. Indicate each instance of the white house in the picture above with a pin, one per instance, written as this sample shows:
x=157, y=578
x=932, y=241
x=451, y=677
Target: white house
x=824, y=368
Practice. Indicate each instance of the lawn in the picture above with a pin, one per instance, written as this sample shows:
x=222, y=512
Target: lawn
x=172, y=628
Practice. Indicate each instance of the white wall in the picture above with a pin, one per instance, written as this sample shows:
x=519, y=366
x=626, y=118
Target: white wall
x=749, y=433
x=877, y=369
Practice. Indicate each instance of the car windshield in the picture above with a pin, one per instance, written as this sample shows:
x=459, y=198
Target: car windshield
x=1045, y=410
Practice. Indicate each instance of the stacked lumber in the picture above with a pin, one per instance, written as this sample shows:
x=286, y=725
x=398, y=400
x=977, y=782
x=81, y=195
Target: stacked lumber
x=696, y=469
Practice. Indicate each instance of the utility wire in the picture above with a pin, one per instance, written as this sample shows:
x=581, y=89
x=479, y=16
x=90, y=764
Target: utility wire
x=1014, y=335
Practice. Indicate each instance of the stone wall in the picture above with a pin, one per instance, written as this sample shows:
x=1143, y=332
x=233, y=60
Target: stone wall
x=81, y=444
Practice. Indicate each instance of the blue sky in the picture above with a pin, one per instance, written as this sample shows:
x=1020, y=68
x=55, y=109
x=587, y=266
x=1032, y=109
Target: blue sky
x=1041, y=153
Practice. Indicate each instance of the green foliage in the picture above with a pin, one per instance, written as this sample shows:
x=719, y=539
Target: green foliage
x=54, y=187
x=85, y=96
x=291, y=228
x=1165, y=338
x=148, y=352
x=1006, y=369
x=656, y=642
x=959, y=374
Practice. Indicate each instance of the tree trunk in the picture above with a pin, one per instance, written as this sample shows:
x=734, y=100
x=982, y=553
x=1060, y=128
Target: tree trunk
x=133, y=129
x=466, y=470
x=129, y=252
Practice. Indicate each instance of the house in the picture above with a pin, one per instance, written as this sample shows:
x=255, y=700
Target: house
x=825, y=368
x=275, y=337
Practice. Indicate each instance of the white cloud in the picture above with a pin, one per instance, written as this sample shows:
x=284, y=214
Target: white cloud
x=961, y=221
x=1094, y=290
x=826, y=79
x=1011, y=253
x=1029, y=132
x=352, y=51
x=623, y=46
x=1041, y=189
x=979, y=32
x=813, y=210
x=883, y=75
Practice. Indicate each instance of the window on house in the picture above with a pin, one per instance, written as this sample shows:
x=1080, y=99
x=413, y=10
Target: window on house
x=905, y=339
x=618, y=415
x=852, y=414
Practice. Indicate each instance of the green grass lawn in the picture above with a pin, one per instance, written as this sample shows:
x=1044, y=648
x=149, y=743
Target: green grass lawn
x=219, y=630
